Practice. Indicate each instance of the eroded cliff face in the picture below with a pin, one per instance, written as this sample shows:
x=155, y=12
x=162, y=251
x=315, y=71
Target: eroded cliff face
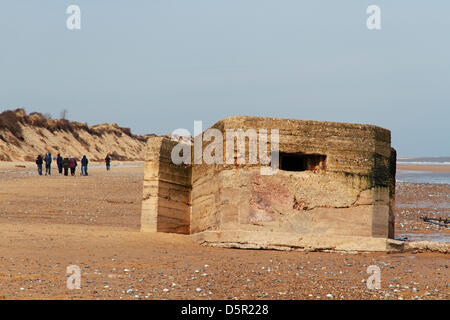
x=24, y=136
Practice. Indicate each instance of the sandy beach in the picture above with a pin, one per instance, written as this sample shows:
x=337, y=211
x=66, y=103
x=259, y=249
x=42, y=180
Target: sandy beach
x=49, y=223
x=433, y=168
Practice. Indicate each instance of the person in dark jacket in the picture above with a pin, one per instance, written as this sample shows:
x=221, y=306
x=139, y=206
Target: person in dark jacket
x=84, y=163
x=72, y=165
x=108, y=162
x=59, y=161
x=48, y=163
x=65, y=164
x=39, y=162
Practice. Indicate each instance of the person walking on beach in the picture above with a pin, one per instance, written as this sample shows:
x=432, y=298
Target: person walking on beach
x=108, y=162
x=59, y=161
x=65, y=164
x=84, y=163
x=39, y=162
x=72, y=165
x=48, y=163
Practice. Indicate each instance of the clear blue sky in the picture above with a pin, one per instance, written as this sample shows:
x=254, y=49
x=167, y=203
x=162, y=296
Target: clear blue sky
x=158, y=65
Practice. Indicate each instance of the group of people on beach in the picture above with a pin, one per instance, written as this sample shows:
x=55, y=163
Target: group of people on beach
x=64, y=164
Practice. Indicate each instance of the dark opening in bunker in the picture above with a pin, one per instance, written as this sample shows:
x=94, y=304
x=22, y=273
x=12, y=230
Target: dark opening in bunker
x=302, y=162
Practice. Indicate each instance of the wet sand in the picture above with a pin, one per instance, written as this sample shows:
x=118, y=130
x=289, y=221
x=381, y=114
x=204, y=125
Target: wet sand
x=432, y=168
x=49, y=223
x=416, y=200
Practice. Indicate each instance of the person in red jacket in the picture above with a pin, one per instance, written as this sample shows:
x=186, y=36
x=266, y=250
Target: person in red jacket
x=72, y=165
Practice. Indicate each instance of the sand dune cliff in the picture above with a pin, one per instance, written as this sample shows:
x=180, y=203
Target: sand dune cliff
x=24, y=136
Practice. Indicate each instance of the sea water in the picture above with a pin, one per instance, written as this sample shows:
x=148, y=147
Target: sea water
x=423, y=176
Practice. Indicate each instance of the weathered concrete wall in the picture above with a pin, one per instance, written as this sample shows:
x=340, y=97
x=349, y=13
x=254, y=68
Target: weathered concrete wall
x=205, y=200
x=167, y=189
x=352, y=195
